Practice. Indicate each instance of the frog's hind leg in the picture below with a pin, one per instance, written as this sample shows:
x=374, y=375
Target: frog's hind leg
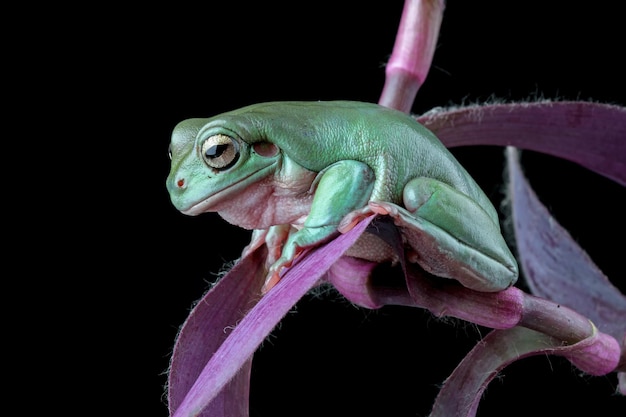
x=451, y=236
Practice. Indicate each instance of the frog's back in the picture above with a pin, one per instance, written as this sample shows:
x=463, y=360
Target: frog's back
x=395, y=146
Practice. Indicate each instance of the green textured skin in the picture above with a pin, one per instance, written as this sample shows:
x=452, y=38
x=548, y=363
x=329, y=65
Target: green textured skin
x=317, y=134
x=333, y=158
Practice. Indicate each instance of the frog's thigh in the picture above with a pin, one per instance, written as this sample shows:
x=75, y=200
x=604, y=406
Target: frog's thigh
x=454, y=237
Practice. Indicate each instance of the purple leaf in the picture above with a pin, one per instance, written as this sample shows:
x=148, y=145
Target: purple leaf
x=205, y=329
x=555, y=266
x=462, y=391
x=590, y=134
x=229, y=359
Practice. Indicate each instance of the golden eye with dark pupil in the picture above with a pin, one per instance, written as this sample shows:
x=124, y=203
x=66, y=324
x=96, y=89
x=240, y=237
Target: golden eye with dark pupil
x=220, y=151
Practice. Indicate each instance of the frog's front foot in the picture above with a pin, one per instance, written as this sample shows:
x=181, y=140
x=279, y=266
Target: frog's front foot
x=273, y=275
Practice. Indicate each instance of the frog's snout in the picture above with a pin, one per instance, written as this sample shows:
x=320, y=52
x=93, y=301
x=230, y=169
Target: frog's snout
x=177, y=187
x=176, y=184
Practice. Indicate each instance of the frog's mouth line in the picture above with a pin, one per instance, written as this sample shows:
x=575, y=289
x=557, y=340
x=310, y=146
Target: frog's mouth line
x=204, y=206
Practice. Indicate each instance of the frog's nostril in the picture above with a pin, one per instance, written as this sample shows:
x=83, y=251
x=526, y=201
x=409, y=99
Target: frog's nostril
x=180, y=183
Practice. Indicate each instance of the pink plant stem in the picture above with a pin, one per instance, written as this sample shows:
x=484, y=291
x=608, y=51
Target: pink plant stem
x=412, y=53
x=599, y=355
x=555, y=320
x=462, y=391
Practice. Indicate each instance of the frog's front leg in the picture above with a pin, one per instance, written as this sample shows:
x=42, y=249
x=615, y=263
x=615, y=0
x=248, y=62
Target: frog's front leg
x=274, y=238
x=341, y=188
x=451, y=236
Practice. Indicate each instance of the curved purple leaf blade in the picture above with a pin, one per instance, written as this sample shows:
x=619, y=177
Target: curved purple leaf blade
x=590, y=134
x=555, y=266
x=462, y=391
x=203, y=332
x=237, y=349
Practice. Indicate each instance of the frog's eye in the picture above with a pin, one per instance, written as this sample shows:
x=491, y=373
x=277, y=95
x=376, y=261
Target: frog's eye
x=220, y=151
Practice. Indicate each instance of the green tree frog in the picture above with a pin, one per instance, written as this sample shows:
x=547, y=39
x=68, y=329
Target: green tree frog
x=299, y=173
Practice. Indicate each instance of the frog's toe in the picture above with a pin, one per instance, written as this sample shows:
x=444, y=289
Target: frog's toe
x=353, y=218
x=383, y=208
x=270, y=282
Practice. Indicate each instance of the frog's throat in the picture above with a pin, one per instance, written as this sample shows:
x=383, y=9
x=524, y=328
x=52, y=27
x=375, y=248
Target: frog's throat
x=225, y=193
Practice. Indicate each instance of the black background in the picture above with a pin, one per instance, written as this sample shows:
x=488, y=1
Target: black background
x=141, y=71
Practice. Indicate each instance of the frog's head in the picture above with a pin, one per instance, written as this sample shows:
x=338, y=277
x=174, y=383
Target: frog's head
x=214, y=161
